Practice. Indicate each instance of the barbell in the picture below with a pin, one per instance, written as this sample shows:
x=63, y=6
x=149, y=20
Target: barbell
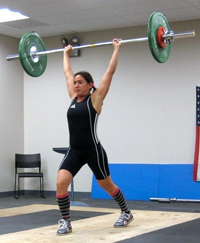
x=33, y=55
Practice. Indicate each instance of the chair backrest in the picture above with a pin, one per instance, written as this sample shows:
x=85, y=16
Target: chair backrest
x=28, y=161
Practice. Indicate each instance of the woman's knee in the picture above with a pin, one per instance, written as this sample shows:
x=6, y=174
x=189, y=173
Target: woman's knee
x=64, y=179
x=60, y=183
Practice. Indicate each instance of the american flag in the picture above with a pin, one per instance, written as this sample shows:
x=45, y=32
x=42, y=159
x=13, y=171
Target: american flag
x=196, y=171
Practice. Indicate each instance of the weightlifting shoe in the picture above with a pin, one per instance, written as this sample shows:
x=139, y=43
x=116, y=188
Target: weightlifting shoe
x=124, y=220
x=65, y=227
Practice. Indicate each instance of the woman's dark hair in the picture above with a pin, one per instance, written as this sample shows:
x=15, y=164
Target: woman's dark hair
x=87, y=76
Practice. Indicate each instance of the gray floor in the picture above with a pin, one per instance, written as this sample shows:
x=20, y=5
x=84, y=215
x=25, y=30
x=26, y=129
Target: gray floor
x=186, y=232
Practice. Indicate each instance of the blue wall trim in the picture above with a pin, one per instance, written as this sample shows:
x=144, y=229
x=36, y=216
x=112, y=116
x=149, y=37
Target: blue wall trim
x=145, y=181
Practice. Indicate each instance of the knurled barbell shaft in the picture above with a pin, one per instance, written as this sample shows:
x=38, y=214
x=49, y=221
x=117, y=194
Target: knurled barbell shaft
x=90, y=46
x=166, y=36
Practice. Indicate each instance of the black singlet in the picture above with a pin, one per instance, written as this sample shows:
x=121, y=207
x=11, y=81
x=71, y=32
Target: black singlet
x=84, y=146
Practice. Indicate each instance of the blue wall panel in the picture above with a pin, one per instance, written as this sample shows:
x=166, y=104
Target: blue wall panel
x=176, y=181
x=143, y=181
x=137, y=181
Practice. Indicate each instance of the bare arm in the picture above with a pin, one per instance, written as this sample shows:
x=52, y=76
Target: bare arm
x=99, y=95
x=68, y=71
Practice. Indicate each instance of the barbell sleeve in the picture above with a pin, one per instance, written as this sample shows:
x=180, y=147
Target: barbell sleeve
x=12, y=57
x=173, y=35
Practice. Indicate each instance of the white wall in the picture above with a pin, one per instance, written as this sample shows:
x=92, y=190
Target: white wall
x=11, y=112
x=148, y=115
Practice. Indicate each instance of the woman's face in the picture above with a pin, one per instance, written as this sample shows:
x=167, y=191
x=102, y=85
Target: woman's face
x=81, y=87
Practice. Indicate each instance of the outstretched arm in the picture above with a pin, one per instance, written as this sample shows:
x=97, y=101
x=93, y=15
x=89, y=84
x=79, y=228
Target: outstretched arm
x=101, y=92
x=68, y=71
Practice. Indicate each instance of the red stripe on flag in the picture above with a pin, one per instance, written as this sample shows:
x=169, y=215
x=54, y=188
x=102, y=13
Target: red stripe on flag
x=196, y=155
x=196, y=169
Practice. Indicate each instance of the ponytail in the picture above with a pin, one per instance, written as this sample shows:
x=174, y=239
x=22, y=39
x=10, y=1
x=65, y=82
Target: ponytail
x=93, y=88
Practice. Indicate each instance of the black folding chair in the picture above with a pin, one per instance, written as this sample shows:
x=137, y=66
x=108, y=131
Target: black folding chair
x=23, y=161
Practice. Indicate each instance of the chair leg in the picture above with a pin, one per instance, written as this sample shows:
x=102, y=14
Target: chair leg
x=42, y=187
x=15, y=193
x=18, y=187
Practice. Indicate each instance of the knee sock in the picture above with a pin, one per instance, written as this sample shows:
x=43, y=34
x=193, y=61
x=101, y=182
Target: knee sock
x=64, y=205
x=120, y=200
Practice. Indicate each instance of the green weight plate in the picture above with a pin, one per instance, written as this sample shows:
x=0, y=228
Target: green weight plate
x=157, y=20
x=33, y=65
